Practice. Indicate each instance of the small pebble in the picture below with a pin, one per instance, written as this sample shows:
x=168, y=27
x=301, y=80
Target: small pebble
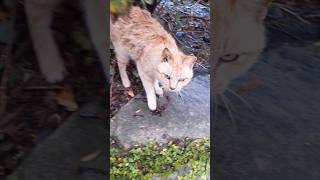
x=206, y=38
x=180, y=34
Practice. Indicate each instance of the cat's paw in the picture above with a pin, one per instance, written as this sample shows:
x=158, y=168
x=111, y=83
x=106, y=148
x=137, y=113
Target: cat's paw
x=55, y=74
x=126, y=83
x=152, y=105
x=159, y=92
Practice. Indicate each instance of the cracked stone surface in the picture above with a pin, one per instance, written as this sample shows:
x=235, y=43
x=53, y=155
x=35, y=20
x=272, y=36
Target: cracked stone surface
x=185, y=116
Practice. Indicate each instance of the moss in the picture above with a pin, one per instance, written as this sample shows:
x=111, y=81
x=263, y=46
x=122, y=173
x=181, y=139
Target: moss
x=145, y=161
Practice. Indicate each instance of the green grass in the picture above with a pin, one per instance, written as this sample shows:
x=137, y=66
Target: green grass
x=145, y=161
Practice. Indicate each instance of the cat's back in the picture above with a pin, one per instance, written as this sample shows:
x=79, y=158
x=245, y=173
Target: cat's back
x=135, y=16
x=137, y=23
x=140, y=15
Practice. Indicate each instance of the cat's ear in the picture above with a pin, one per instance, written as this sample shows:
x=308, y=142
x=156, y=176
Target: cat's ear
x=166, y=55
x=190, y=60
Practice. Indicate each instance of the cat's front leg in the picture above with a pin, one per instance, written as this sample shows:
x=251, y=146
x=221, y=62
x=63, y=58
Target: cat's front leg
x=39, y=14
x=148, y=85
x=157, y=88
x=123, y=61
x=96, y=17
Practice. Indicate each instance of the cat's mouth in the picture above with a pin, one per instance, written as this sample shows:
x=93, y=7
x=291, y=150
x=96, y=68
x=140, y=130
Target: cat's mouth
x=168, y=89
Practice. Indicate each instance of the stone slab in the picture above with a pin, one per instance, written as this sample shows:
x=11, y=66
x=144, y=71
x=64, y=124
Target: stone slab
x=185, y=116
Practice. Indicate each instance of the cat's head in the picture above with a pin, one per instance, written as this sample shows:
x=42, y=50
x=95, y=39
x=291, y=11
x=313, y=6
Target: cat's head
x=175, y=69
x=239, y=38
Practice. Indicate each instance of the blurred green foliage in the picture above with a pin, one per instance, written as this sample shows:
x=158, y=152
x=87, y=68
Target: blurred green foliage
x=118, y=7
x=146, y=161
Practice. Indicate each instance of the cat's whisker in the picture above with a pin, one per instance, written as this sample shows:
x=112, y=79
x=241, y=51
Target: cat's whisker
x=230, y=103
x=241, y=98
x=180, y=96
x=176, y=93
x=229, y=112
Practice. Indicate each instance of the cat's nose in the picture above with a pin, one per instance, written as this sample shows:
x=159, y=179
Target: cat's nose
x=172, y=88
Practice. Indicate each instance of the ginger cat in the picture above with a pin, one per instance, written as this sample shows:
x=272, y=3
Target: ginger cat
x=39, y=15
x=140, y=37
x=239, y=38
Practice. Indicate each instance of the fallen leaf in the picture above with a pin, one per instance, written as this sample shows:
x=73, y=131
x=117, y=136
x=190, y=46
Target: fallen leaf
x=91, y=156
x=119, y=7
x=66, y=99
x=130, y=93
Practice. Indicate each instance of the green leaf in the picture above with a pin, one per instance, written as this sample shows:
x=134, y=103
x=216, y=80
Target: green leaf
x=150, y=2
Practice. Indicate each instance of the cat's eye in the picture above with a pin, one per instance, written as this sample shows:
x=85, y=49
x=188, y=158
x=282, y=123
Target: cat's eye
x=180, y=80
x=167, y=76
x=229, y=58
x=165, y=59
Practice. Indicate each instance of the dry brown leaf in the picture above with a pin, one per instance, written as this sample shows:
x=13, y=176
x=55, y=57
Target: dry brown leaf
x=91, y=156
x=66, y=99
x=130, y=93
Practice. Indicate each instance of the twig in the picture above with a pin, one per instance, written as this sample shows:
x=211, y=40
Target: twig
x=195, y=31
x=312, y=16
x=5, y=57
x=292, y=13
x=202, y=66
x=170, y=29
x=196, y=17
x=287, y=33
x=168, y=24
